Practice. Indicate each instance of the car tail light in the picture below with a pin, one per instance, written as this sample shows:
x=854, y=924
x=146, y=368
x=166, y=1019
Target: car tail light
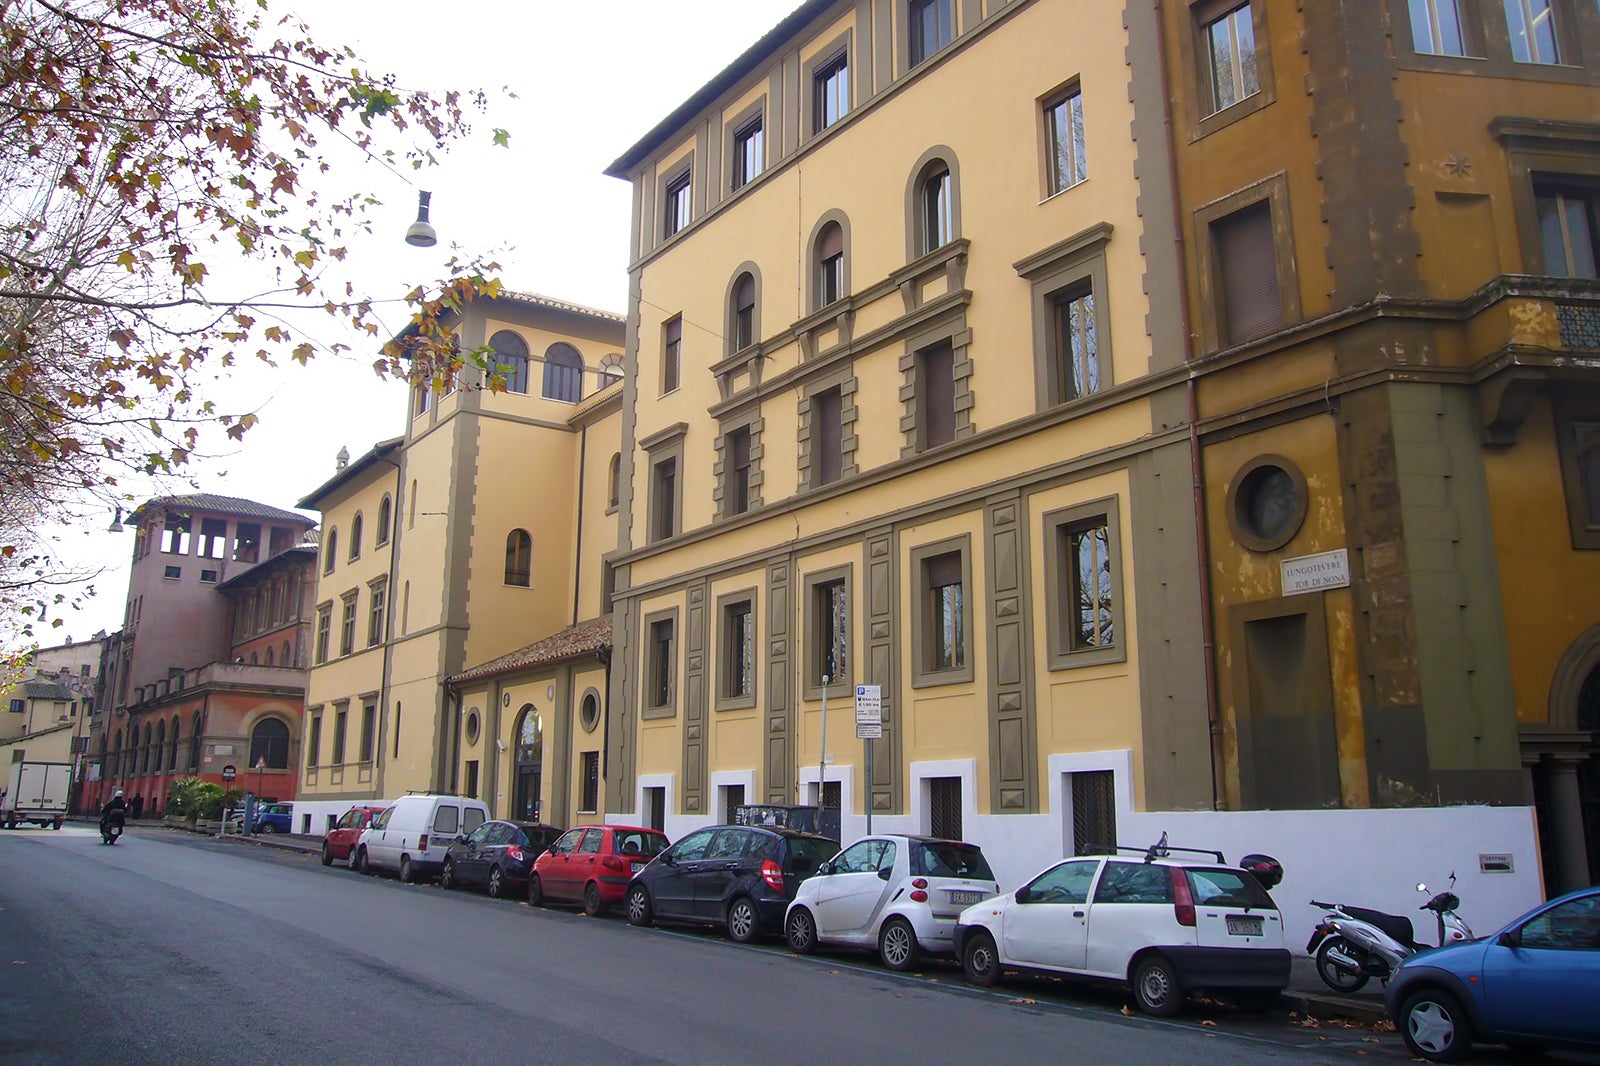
x=921, y=882
x=514, y=853
x=919, y=896
x=611, y=862
x=772, y=874
x=422, y=842
x=1182, y=898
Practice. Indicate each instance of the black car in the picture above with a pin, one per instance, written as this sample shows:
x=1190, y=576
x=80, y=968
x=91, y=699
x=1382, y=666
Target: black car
x=739, y=877
x=498, y=855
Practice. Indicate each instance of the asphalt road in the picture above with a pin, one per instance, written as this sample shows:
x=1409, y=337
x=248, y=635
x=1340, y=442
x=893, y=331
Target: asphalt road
x=170, y=948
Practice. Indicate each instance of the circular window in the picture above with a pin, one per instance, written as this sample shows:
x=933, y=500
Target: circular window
x=1267, y=503
x=589, y=712
x=472, y=726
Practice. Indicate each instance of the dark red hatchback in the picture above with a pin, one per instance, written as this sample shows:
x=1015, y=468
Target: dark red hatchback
x=593, y=865
x=341, y=839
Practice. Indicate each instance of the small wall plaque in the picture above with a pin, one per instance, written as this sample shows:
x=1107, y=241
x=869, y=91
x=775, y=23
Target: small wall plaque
x=1496, y=864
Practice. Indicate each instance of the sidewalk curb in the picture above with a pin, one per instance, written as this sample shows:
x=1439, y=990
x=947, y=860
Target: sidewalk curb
x=1315, y=1005
x=265, y=840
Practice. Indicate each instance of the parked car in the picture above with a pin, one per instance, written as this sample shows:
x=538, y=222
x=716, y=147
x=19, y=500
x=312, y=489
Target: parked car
x=593, y=866
x=413, y=835
x=1532, y=985
x=738, y=877
x=899, y=895
x=497, y=855
x=274, y=818
x=1163, y=926
x=340, y=841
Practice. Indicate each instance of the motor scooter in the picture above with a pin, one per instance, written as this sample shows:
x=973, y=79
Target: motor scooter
x=111, y=827
x=1352, y=945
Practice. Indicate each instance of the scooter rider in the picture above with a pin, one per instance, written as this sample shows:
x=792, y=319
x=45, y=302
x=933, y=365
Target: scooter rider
x=115, y=805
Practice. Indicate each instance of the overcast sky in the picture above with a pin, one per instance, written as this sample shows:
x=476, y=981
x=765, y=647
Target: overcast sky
x=590, y=78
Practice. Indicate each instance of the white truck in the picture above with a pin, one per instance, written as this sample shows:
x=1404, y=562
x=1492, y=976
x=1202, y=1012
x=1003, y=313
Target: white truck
x=36, y=792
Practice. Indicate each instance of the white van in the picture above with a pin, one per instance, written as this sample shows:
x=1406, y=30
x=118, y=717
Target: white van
x=412, y=836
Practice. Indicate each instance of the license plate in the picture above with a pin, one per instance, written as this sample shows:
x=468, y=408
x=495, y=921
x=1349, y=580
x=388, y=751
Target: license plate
x=966, y=897
x=638, y=866
x=1243, y=925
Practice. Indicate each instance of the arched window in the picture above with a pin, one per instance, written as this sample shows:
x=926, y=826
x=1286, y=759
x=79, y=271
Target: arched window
x=269, y=740
x=563, y=373
x=936, y=220
x=742, y=313
x=288, y=655
x=511, y=357
x=519, y=558
x=933, y=203
x=830, y=278
x=529, y=764
x=269, y=655
x=111, y=768
x=159, y=759
x=172, y=753
x=610, y=370
x=194, y=741
x=411, y=509
x=330, y=551
x=355, y=537
x=614, y=480
x=143, y=763
x=385, y=514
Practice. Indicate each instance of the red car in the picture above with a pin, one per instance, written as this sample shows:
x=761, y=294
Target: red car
x=592, y=866
x=341, y=839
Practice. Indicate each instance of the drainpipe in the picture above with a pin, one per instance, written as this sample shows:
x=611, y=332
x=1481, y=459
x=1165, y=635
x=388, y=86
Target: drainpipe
x=1196, y=473
x=577, y=570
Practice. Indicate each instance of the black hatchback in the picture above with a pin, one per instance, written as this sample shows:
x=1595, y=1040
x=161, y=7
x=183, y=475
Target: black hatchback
x=738, y=877
x=498, y=855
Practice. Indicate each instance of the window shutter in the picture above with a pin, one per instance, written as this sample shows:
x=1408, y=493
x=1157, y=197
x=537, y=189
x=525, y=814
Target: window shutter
x=1251, y=303
x=938, y=389
x=828, y=416
x=831, y=242
x=944, y=570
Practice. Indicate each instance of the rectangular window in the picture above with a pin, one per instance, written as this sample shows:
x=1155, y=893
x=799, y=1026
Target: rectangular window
x=1075, y=354
x=18, y=706
x=590, y=803
x=932, y=22
x=1534, y=34
x=1569, y=229
x=175, y=537
x=936, y=396
x=1083, y=582
x=341, y=719
x=324, y=627
x=831, y=92
x=677, y=206
x=827, y=429
x=738, y=650
x=369, y=730
x=1230, y=50
x=1436, y=28
x=347, y=627
x=472, y=779
x=247, y=542
x=655, y=806
x=664, y=499
x=672, y=356
x=830, y=278
x=833, y=631
x=749, y=152
x=938, y=216
x=736, y=454
x=1578, y=439
x=380, y=596
x=944, y=807
x=1247, y=265
x=732, y=800
x=658, y=678
x=213, y=539
x=314, y=741
x=172, y=572
x=1068, y=161
x=945, y=606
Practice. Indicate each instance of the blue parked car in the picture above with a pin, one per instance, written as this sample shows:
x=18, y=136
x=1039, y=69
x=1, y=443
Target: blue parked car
x=1532, y=985
x=274, y=818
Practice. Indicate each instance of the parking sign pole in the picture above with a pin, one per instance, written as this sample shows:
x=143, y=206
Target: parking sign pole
x=868, y=743
x=822, y=753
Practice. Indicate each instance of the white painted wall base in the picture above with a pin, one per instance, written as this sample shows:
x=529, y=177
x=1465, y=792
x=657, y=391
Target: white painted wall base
x=321, y=810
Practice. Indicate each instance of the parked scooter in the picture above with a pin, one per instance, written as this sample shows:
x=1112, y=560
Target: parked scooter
x=111, y=826
x=1352, y=945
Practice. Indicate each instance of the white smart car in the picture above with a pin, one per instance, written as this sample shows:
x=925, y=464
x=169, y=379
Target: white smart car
x=899, y=895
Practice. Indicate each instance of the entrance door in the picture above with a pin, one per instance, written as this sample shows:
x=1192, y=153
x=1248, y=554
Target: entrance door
x=530, y=765
x=1589, y=770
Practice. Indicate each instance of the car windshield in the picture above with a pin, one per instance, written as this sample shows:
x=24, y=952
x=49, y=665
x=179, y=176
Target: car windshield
x=638, y=842
x=1227, y=888
x=805, y=854
x=943, y=859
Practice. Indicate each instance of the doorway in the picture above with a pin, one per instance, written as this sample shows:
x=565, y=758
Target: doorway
x=530, y=764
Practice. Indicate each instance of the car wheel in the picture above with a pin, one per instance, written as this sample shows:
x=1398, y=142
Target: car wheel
x=897, y=945
x=1156, y=989
x=1339, y=966
x=981, y=960
x=406, y=873
x=327, y=856
x=743, y=922
x=639, y=910
x=592, y=906
x=361, y=865
x=447, y=875
x=497, y=883
x=1434, y=1026
x=801, y=931
x=535, y=891
x=1256, y=1000
x=267, y=828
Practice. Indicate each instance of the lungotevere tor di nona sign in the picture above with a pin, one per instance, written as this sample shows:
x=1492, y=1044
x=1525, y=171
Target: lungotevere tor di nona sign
x=1311, y=573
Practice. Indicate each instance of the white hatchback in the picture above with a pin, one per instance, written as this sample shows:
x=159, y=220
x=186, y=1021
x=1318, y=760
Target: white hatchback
x=1161, y=926
x=899, y=895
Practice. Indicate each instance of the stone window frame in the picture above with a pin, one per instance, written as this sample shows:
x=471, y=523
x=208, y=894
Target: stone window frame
x=916, y=238
x=730, y=329
x=1060, y=655
x=614, y=483
x=1566, y=412
x=649, y=663
x=322, y=639
x=814, y=261
x=1275, y=190
x=676, y=361
x=349, y=614
x=510, y=557
x=725, y=699
x=377, y=587
x=679, y=171
x=1043, y=105
x=385, y=521
x=757, y=109
x=517, y=362
x=590, y=698
x=843, y=378
x=1565, y=15
x=357, y=522
x=903, y=48
x=1197, y=63
x=811, y=684
x=1063, y=266
x=1474, y=36
x=1248, y=537
x=658, y=448
x=1548, y=149
x=841, y=45
x=954, y=331
x=923, y=675
x=722, y=471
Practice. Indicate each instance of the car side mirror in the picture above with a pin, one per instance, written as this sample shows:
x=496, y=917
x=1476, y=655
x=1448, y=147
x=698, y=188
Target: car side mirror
x=1509, y=939
x=1023, y=895
x=666, y=859
x=460, y=839
x=825, y=869
x=885, y=873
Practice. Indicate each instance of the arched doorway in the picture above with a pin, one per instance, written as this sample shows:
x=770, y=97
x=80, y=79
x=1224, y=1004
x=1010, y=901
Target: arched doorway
x=530, y=763
x=1564, y=759
x=1589, y=770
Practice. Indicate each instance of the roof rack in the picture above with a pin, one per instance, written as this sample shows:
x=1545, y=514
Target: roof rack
x=1159, y=850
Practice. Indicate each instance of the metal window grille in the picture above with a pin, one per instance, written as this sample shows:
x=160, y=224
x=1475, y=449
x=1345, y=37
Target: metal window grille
x=1094, y=810
x=944, y=807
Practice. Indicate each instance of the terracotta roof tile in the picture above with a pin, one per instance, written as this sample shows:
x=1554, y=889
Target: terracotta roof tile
x=574, y=642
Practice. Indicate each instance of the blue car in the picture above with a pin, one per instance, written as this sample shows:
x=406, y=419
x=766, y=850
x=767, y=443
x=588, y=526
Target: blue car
x=274, y=818
x=1534, y=984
